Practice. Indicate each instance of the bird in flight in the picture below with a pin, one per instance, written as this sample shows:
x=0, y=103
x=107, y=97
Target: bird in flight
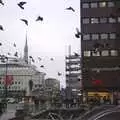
x=16, y=54
x=59, y=74
x=1, y=2
x=14, y=45
x=42, y=66
x=9, y=53
x=51, y=59
x=39, y=18
x=1, y=28
x=39, y=59
x=76, y=54
x=25, y=21
x=70, y=8
x=77, y=35
x=0, y=44
x=20, y=4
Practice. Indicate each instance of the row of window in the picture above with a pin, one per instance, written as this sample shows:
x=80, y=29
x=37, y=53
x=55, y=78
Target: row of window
x=102, y=53
x=2, y=82
x=15, y=87
x=99, y=36
x=100, y=20
x=98, y=4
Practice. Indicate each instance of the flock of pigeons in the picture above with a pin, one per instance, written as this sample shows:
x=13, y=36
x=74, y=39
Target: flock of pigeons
x=39, y=18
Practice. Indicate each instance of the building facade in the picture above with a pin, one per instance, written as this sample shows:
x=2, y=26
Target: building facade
x=100, y=44
x=18, y=77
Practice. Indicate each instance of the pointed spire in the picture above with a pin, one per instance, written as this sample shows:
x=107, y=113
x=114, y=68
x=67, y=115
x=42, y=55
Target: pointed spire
x=26, y=50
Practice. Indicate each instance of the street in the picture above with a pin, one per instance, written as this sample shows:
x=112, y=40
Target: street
x=10, y=112
x=111, y=116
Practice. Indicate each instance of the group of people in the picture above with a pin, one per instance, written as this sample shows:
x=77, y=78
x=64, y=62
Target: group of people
x=100, y=100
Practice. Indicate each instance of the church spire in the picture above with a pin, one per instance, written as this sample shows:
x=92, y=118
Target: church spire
x=26, y=51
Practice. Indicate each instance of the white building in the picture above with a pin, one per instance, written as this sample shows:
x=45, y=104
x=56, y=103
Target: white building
x=20, y=72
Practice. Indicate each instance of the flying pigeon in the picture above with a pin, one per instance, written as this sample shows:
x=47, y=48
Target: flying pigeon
x=0, y=44
x=9, y=53
x=77, y=35
x=14, y=45
x=59, y=74
x=42, y=66
x=39, y=59
x=51, y=59
x=20, y=4
x=70, y=8
x=39, y=18
x=16, y=54
x=30, y=57
x=76, y=54
x=33, y=60
x=25, y=21
x=1, y=28
x=1, y=2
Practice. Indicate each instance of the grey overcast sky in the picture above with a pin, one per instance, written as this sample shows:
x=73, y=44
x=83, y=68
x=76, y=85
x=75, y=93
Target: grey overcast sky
x=47, y=38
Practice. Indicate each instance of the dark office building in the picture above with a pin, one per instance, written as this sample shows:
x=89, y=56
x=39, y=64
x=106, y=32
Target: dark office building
x=100, y=28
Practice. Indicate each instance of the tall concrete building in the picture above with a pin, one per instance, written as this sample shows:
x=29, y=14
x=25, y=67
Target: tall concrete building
x=100, y=44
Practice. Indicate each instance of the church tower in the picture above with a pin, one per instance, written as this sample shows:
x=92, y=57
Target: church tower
x=26, y=51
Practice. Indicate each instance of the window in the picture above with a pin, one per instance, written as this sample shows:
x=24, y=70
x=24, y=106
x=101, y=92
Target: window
x=114, y=52
x=95, y=36
x=111, y=4
x=86, y=20
x=86, y=37
x=87, y=53
x=105, y=53
x=118, y=19
x=104, y=36
x=112, y=35
x=85, y=5
x=103, y=20
x=112, y=20
x=102, y=4
x=94, y=5
x=94, y=20
x=96, y=53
